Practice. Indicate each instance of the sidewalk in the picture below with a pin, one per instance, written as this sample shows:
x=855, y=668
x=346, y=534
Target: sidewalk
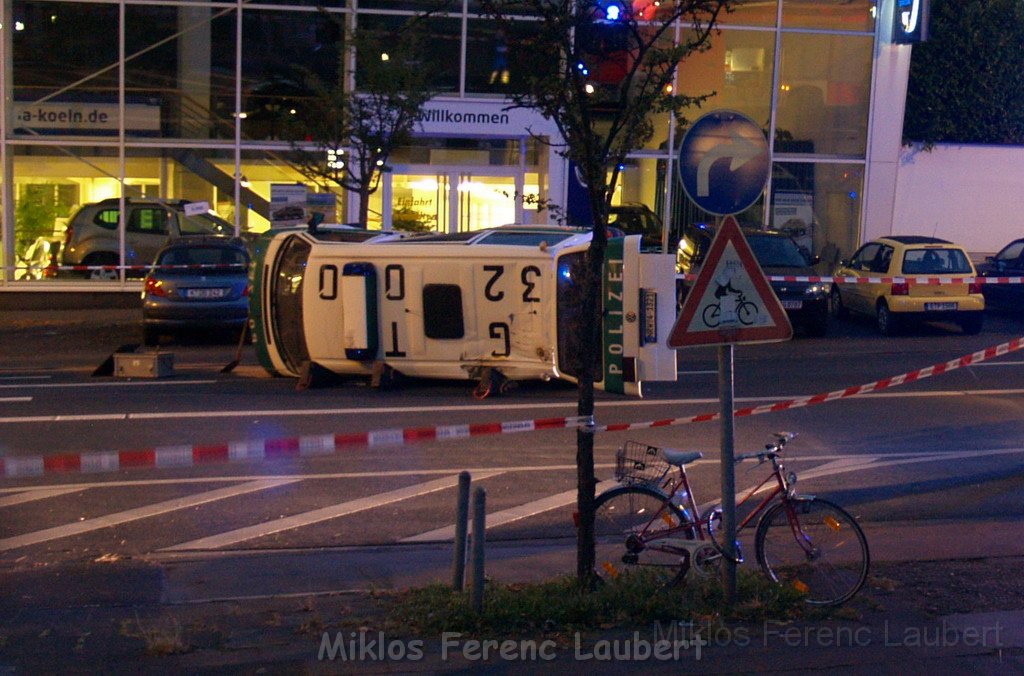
x=272, y=611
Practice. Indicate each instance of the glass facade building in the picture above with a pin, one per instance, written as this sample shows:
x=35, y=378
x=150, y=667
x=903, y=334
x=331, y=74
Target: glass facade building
x=183, y=101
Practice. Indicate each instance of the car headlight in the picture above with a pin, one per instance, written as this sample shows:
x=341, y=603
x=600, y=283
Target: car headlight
x=818, y=290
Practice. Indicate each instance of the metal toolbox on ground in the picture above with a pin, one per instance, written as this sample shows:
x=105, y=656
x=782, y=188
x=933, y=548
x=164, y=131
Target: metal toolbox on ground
x=143, y=364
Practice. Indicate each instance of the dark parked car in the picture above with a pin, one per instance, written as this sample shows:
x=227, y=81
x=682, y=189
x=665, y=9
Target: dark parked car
x=197, y=283
x=806, y=303
x=1007, y=263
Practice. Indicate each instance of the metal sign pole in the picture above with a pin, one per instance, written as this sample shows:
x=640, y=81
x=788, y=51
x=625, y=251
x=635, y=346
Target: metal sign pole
x=728, y=469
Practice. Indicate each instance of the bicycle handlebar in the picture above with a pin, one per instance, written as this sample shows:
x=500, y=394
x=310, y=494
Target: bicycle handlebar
x=771, y=451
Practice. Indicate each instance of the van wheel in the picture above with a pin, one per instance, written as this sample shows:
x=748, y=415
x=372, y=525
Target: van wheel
x=888, y=325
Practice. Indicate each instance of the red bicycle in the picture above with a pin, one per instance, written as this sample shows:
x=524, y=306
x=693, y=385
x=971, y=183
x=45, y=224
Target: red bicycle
x=652, y=520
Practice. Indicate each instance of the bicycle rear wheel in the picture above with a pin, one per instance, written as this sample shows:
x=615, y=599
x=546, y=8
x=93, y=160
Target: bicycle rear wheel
x=815, y=546
x=631, y=527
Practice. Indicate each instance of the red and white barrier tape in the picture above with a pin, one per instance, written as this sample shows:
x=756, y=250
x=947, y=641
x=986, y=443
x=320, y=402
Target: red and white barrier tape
x=115, y=268
x=799, y=402
x=263, y=449
x=912, y=280
x=326, y=444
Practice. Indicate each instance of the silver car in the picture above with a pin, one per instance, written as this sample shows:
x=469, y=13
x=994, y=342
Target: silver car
x=197, y=283
x=92, y=236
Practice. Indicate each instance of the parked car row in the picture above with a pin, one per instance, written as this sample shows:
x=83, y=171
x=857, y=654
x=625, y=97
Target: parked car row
x=891, y=305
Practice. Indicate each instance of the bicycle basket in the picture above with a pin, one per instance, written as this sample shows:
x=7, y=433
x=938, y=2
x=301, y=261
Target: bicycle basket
x=637, y=463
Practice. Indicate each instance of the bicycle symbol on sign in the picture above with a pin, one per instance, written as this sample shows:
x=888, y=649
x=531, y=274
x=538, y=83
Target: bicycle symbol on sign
x=732, y=306
x=745, y=311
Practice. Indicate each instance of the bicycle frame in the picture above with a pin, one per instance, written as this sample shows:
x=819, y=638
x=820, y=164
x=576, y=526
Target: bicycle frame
x=696, y=522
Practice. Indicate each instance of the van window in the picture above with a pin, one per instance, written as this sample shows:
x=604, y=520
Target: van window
x=442, y=311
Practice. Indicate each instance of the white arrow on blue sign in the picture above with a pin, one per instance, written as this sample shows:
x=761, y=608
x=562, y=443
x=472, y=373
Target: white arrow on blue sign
x=724, y=162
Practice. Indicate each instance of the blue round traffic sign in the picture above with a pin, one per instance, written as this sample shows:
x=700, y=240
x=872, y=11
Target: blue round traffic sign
x=724, y=162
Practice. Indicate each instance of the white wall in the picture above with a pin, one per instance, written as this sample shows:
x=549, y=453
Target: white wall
x=971, y=195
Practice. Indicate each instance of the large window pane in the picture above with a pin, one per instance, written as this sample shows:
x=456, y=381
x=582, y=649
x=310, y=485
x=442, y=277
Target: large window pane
x=181, y=60
x=824, y=91
x=736, y=71
x=849, y=15
x=819, y=204
x=281, y=50
x=65, y=69
x=262, y=170
x=498, y=61
x=50, y=184
x=442, y=46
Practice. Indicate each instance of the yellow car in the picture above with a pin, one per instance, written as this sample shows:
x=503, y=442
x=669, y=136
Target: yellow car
x=892, y=303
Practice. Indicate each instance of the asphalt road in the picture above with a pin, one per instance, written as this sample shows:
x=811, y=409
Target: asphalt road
x=947, y=447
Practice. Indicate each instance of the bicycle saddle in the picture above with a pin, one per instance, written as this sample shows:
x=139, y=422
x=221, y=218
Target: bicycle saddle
x=679, y=458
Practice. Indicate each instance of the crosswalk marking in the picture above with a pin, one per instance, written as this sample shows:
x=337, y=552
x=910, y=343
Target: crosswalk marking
x=323, y=514
x=118, y=518
x=523, y=511
x=30, y=496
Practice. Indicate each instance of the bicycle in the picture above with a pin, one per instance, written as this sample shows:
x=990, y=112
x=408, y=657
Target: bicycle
x=745, y=312
x=652, y=520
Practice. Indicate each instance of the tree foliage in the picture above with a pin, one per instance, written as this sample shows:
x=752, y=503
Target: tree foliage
x=602, y=120
x=347, y=128
x=967, y=82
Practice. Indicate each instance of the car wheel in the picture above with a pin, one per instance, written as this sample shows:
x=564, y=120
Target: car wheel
x=888, y=325
x=835, y=305
x=101, y=259
x=972, y=324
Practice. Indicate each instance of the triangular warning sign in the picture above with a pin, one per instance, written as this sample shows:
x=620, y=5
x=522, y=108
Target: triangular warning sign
x=731, y=301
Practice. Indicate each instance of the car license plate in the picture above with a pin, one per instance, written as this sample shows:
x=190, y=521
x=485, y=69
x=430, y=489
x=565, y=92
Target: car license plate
x=939, y=307
x=792, y=304
x=205, y=293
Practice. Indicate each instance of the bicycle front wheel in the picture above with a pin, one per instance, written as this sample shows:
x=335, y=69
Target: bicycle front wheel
x=632, y=525
x=815, y=546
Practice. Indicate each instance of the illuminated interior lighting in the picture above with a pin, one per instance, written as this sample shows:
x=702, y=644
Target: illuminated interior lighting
x=19, y=26
x=423, y=184
x=589, y=88
x=384, y=56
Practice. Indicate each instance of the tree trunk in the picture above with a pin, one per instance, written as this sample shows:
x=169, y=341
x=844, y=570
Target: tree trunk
x=364, y=206
x=586, y=482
